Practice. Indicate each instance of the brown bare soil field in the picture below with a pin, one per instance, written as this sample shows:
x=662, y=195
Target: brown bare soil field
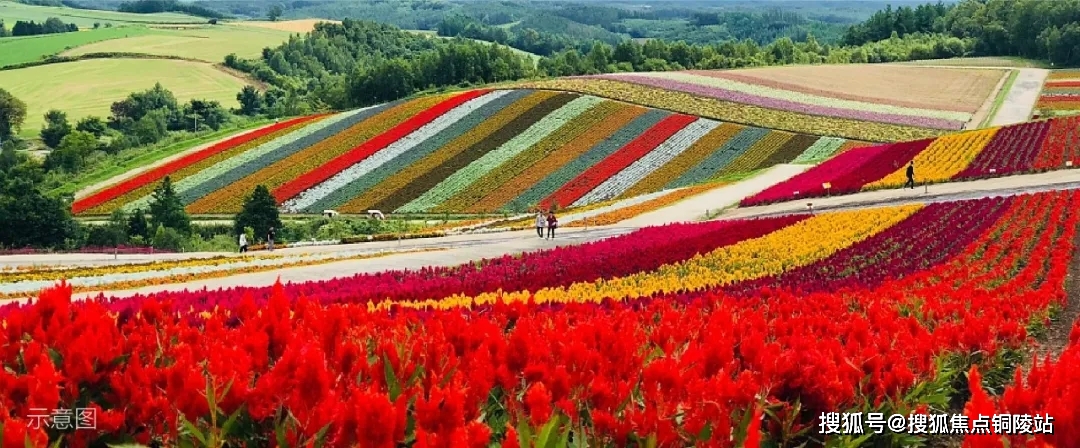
x=294, y=26
x=952, y=89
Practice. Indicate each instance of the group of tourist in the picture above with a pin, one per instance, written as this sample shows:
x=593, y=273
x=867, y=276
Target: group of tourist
x=269, y=240
x=548, y=221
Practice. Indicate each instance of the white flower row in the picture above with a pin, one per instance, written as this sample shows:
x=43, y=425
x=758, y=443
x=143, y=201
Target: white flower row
x=814, y=100
x=31, y=287
x=521, y=142
x=217, y=169
x=662, y=154
x=313, y=243
x=395, y=149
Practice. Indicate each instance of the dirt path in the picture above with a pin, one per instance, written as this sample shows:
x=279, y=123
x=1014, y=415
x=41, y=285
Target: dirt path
x=988, y=105
x=1021, y=99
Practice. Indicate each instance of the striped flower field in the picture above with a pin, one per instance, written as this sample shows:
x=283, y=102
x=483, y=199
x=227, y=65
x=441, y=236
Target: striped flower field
x=475, y=151
x=1060, y=94
x=1035, y=146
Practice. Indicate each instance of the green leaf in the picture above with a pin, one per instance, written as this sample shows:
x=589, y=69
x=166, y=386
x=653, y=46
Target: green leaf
x=193, y=431
x=58, y=441
x=279, y=432
x=391, y=379
x=320, y=437
x=545, y=432
x=127, y=445
x=706, y=433
x=211, y=400
x=524, y=433
x=227, y=427
x=57, y=359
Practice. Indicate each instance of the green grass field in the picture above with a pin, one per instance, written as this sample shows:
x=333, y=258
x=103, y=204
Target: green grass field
x=17, y=50
x=210, y=43
x=85, y=18
x=89, y=87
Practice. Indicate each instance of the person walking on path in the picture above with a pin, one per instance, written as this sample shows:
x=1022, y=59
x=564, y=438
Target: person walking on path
x=541, y=222
x=552, y=223
x=243, y=243
x=270, y=239
x=910, y=175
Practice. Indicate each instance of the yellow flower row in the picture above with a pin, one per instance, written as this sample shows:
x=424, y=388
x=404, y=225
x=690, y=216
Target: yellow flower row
x=183, y=278
x=794, y=246
x=943, y=159
x=402, y=179
x=476, y=194
x=622, y=214
x=737, y=112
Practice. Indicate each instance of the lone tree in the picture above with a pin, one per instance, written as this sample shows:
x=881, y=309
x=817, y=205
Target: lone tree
x=137, y=225
x=251, y=100
x=55, y=129
x=275, y=13
x=12, y=114
x=167, y=211
x=260, y=212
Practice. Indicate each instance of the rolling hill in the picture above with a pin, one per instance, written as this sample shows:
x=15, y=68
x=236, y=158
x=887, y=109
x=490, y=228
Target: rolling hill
x=473, y=151
x=882, y=103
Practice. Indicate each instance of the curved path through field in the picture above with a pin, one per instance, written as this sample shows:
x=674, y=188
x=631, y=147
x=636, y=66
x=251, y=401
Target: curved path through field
x=465, y=248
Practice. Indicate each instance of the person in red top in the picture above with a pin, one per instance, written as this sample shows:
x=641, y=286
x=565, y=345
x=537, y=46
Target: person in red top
x=552, y=224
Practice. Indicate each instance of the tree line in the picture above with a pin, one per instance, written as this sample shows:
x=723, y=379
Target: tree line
x=156, y=6
x=52, y=25
x=359, y=63
x=1036, y=29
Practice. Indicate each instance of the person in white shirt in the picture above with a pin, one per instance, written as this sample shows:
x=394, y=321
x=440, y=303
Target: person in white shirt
x=541, y=222
x=243, y=243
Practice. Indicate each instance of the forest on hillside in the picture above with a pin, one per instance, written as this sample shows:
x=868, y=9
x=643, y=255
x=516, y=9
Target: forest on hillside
x=1036, y=29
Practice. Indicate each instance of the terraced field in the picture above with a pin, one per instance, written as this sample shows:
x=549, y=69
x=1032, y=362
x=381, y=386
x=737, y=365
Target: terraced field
x=473, y=151
x=865, y=102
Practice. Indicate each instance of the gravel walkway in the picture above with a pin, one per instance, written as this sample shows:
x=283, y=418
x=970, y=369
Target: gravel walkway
x=1021, y=99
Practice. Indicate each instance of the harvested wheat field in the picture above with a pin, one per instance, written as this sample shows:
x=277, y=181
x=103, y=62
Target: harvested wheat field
x=950, y=89
x=293, y=26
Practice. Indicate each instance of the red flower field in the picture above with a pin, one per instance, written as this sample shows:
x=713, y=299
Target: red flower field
x=914, y=319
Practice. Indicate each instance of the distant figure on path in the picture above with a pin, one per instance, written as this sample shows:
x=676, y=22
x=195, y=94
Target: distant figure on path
x=243, y=243
x=552, y=224
x=910, y=175
x=541, y=222
x=270, y=239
